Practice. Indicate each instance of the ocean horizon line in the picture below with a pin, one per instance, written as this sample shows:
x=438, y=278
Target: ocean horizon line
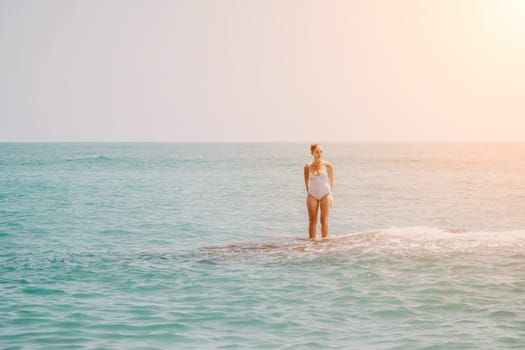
x=259, y=142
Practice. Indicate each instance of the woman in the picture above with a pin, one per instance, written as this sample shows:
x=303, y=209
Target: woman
x=319, y=181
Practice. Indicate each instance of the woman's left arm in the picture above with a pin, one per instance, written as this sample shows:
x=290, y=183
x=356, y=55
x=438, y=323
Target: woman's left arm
x=330, y=170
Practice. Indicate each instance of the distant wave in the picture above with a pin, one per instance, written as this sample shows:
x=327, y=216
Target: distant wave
x=98, y=157
x=160, y=161
x=95, y=159
x=54, y=161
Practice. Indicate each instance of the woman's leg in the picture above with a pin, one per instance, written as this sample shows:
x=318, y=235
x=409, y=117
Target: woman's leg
x=313, y=205
x=326, y=205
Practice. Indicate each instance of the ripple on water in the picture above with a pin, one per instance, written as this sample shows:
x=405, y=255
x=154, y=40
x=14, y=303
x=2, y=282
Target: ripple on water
x=381, y=289
x=42, y=291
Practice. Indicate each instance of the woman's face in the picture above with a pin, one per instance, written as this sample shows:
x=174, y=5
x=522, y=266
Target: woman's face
x=317, y=153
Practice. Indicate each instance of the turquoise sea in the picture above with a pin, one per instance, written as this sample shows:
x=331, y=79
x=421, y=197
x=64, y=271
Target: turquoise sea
x=203, y=246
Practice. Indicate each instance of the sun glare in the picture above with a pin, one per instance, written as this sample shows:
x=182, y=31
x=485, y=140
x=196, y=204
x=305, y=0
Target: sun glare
x=516, y=13
x=505, y=20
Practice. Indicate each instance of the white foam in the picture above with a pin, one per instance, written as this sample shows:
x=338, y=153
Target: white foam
x=391, y=241
x=441, y=240
x=429, y=234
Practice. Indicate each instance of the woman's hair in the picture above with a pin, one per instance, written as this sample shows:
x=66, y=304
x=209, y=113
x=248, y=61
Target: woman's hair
x=313, y=146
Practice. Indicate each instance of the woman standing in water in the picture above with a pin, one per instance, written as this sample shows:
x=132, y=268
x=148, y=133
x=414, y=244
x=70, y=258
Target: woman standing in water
x=319, y=181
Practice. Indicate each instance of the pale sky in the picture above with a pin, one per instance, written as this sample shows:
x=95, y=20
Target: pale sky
x=262, y=70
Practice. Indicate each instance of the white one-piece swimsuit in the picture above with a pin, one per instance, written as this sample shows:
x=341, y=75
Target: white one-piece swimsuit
x=318, y=185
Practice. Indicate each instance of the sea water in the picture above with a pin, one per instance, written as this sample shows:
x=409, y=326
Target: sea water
x=203, y=246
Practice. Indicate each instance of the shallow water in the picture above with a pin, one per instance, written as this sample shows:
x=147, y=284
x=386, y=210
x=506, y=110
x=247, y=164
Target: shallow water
x=203, y=246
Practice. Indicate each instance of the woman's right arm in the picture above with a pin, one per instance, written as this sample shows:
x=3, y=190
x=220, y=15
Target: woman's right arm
x=306, y=175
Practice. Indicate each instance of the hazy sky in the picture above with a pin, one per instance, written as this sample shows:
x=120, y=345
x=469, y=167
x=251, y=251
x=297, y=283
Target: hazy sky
x=247, y=70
